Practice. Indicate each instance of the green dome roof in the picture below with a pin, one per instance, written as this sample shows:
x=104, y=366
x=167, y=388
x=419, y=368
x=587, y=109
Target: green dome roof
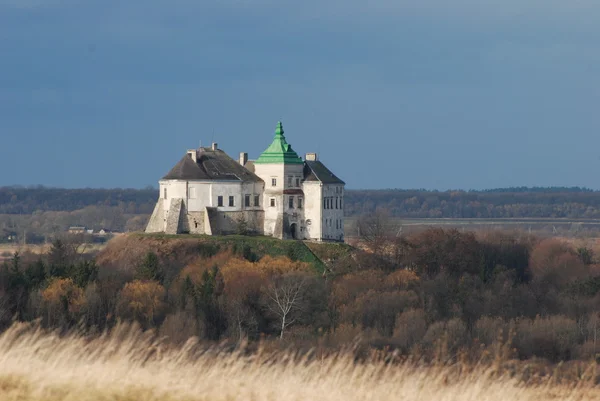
x=279, y=151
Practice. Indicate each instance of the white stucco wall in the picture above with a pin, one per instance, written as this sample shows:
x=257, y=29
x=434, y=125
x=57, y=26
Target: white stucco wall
x=252, y=189
x=282, y=173
x=333, y=218
x=312, y=209
x=267, y=172
x=198, y=196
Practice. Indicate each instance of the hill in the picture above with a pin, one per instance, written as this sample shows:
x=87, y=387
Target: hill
x=176, y=251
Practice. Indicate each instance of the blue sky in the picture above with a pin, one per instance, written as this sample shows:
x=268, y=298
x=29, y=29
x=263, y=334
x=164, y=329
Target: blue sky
x=432, y=94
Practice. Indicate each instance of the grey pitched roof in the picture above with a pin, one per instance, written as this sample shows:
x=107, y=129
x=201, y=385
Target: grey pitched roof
x=314, y=170
x=186, y=169
x=211, y=165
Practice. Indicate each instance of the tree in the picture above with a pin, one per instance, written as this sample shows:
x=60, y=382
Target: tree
x=142, y=301
x=375, y=230
x=150, y=269
x=206, y=300
x=63, y=301
x=241, y=225
x=586, y=255
x=286, y=299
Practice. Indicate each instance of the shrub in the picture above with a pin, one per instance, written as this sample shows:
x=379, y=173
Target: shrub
x=554, y=337
x=489, y=330
x=410, y=328
x=450, y=335
x=180, y=326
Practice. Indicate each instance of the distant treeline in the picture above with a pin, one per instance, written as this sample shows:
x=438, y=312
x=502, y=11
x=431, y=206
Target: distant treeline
x=517, y=202
x=26, y=200
x=498, y=203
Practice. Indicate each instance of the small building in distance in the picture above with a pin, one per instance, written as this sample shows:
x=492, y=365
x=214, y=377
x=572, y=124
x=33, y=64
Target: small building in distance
x=279, y=194
x=77, y=230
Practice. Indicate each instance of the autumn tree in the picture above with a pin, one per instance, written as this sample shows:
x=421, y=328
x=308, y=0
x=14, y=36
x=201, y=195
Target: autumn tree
x=242, y=292
x=142, y=301
x=63, y=302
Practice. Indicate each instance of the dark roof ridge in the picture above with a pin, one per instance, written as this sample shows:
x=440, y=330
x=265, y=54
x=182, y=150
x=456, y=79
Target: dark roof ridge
x=211, y=164
x=321, y=173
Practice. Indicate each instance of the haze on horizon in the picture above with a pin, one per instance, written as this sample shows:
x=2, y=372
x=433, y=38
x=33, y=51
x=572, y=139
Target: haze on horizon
x=393, y=94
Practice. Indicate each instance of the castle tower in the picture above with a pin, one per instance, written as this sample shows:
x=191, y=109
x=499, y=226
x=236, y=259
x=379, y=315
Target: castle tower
x=282, y=170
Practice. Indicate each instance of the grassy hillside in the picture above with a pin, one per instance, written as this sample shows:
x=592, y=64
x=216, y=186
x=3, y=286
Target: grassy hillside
x=127, y=250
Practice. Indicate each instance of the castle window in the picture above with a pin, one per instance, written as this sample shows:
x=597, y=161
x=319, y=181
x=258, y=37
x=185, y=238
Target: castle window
x=336, y=202
x=300, y=203
x=297, y=181
x=247, y=200
x=219, y=201
x=256, y=200
x=291, y=200
x=273, y=182
x=165, y=192
x=192, y=193
x=231, y=201
x=272, y=202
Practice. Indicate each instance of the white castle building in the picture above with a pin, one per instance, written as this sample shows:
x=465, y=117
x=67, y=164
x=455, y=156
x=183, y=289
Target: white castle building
x=278, y=195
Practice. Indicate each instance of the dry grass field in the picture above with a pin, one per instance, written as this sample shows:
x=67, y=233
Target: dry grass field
x=8, y=250
x=130, y=365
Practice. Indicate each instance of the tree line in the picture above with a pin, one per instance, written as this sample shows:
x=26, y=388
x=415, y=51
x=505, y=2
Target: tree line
x=27, y=200
x=403, y=293
x=574, y=203
x=517, y=202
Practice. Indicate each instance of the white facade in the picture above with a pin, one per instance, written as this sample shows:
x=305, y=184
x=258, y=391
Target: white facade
x=283, y=198
x=208, y=192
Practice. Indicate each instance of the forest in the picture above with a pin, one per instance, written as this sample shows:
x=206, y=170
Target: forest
x=402, y=293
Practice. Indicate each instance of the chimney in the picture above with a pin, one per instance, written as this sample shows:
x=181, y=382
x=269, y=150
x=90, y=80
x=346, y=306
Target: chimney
x=311, y=157
x=215, y=146
x=193, y=154
x=243, y=158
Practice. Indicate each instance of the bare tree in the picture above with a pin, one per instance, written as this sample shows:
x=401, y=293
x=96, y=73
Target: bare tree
x=377, y=229
x=286, y=299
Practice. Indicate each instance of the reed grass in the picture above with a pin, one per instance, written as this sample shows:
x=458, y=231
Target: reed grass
x=128, y=364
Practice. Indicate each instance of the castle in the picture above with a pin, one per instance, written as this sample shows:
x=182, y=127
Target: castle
x=278, y=194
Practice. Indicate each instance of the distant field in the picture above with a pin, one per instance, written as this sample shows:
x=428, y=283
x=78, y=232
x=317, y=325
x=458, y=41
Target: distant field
x=539, y=226
x=7, y=250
